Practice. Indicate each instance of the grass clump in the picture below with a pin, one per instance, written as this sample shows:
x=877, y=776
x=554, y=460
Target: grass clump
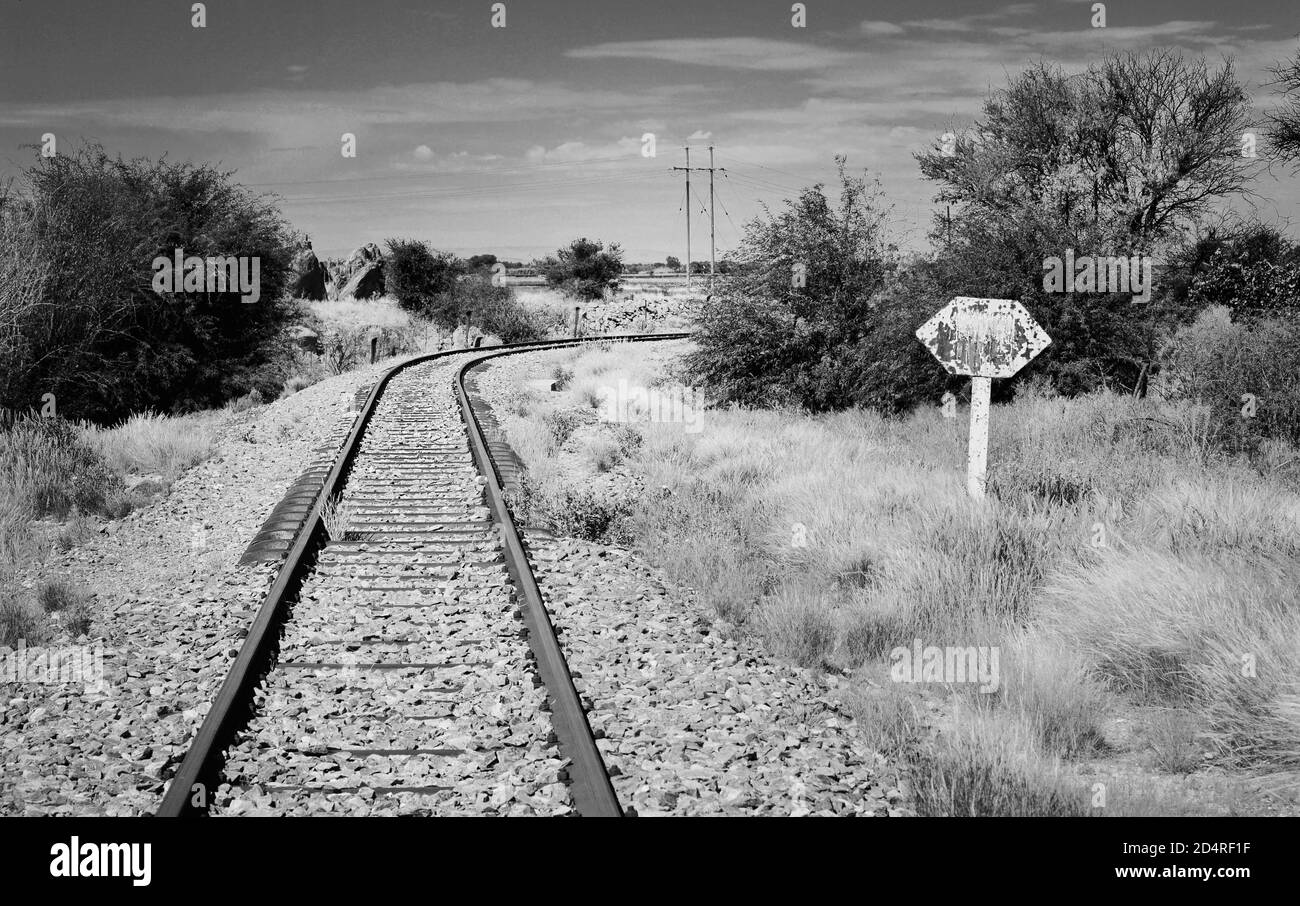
x=987, y=767
x=20, y=620
x=589, y=514
x=151, y=444
x=49, y=469
x=55, y=596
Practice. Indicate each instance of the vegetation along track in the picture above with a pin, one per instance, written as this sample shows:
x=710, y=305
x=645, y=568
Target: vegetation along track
x=403, y=661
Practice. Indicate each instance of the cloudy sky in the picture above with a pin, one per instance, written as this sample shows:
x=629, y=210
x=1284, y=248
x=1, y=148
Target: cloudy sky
x=516, y=139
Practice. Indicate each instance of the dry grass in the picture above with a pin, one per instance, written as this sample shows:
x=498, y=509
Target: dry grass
x=152, y=444
x=52, y=468
x=837, y=538
x=337, y=514
x=380, y=312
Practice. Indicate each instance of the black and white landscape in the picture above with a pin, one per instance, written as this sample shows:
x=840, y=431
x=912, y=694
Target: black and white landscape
x=902, y=413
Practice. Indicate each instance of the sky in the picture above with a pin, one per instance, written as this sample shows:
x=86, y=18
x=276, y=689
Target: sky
x=516, y=139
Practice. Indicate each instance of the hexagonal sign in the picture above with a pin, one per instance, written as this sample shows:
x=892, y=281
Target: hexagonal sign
x=983, y=337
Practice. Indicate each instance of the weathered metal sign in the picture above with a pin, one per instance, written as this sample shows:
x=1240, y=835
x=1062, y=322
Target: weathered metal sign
x=983, y=337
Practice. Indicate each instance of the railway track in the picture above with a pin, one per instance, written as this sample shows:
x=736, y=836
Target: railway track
x=403, y=661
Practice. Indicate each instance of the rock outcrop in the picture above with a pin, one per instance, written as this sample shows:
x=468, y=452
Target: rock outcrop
x=310, y=277
x=362, y=275
x=366, y=283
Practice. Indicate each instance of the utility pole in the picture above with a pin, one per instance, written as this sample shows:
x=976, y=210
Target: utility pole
x=713, y=263
x=713, y=256
x=687, y=168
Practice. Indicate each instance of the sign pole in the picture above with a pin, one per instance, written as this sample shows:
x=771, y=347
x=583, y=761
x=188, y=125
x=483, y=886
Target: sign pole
x=977, y=450
x=983, y=338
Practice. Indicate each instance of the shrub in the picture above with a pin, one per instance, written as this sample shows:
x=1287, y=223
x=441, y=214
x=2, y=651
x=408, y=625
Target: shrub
x=81, y=319
x=497, y=312
x=563, y=422
x=78, y=618
x=1255, y=272
x=584, y=268
x=1218, y=363
x=843, y=337
x=562, y=375
x=589, y=514
x=417, y=277
x=348, y=346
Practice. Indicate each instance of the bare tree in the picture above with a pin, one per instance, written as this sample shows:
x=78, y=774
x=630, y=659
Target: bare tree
x=1284, y=132
x=1128, y=151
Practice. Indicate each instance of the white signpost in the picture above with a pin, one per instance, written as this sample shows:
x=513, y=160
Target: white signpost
x=982, y=338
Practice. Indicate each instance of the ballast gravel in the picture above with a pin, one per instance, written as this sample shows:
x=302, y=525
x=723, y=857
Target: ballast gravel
x=689, y=719
x=171, y=608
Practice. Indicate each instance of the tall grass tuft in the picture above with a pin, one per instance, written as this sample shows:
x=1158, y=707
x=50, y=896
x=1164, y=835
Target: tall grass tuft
x=149, y=443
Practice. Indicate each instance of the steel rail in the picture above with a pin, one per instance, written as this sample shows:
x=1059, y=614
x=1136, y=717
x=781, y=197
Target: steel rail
x=195, y=782
x=593, y=793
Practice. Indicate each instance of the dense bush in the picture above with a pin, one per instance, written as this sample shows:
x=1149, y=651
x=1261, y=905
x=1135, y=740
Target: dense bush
x=421, y=280
x=584, y=268
x=442, y=288
x=820, y=314
x=498, y=313
x=79, y=317
x=1255, y=272
x=1224, y=364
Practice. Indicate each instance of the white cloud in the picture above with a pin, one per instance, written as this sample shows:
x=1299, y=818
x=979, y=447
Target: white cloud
x=727, y=53
x=880, y=28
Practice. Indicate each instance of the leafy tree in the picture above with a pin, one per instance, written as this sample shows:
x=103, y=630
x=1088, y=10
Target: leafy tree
x=674, y=262
x=584, y=268
x=482, y=261
x=1119, y=160
x=420, y=279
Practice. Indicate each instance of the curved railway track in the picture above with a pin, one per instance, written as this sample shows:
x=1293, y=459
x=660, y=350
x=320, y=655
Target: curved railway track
x=407, y=665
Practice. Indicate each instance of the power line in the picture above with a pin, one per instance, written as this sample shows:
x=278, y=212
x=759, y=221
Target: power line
x=475, y=191
x=739, y=235
x=773, y=169
x=520, y=168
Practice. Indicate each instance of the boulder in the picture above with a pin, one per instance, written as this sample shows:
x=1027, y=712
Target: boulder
x=308, y=339
x=366, y=283
x=367, y=254
x=311, y=276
